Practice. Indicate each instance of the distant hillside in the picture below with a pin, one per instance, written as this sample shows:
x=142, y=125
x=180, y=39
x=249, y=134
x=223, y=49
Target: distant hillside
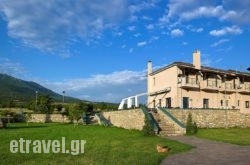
x=24, y=91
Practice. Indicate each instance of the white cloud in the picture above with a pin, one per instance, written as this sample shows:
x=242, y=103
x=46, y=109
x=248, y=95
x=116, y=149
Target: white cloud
x=131, y=50
x=12, y=68
x=150, y=27
x=147, y=18
x=219, y=42
x=236, y=12
x=54, y=25
x=184, y=43
x=103, y=87
x=141, y=5
x=197, y=30
x=131, y=28
x=176, y=33
x=203, y=11
x=143, y=43
x=123, y=46
x=137, y=34
x=225, y=31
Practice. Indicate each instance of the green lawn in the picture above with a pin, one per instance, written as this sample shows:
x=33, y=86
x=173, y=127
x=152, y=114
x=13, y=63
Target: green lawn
x=239, y=136
x=104, y=145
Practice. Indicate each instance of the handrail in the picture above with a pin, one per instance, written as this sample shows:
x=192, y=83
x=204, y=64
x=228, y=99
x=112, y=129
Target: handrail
x=172, y=117
x=102, y=119
x=150, y=118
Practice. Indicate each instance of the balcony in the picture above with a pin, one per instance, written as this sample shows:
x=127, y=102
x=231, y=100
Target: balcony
x=227, y=87
x=244, y=88
x=209, y=85
x=189, y=83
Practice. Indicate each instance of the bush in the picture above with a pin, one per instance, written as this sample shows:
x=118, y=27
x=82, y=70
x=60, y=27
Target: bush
x=148, y=129
x=191, y=127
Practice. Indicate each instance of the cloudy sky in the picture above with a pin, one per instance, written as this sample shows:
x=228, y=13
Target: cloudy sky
x=98, y=50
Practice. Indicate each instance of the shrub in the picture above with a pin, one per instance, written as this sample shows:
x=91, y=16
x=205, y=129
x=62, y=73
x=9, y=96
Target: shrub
x=148, y=129
x=191, y=127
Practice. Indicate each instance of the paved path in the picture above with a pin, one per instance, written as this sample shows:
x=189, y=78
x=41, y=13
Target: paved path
x=209, y=153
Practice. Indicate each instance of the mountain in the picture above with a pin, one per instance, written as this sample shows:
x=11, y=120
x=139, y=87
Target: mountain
x=18, y=90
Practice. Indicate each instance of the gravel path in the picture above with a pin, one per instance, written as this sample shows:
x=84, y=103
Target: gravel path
x=209, y=152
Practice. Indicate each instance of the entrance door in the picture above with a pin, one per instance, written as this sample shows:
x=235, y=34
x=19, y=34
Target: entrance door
x=205, y=103
x=168, y=102
x=185, y=102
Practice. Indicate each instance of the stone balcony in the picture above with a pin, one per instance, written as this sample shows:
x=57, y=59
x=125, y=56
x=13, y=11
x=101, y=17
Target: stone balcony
x=209, y=85
x=244, y=88
x=227, y=88
x=189, y=83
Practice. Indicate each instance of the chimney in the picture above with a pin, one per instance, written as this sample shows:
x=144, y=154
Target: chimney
x=149, y=67
x=197, y=59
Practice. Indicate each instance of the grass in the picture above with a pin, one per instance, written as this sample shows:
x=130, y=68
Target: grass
x=239, y=136
x=104, y=145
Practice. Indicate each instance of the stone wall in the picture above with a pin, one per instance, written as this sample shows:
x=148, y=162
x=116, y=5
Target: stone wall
x=134, y=119
x=129, y=119
x=213, y=118
x=41, y=118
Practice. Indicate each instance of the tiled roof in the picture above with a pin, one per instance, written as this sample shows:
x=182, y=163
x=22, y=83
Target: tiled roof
x=203, y=68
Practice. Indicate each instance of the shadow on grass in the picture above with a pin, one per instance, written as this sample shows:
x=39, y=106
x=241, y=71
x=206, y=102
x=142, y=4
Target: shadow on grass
x=25, y=126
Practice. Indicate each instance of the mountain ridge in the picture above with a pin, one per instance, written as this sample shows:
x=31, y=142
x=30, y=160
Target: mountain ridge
x=16, y=89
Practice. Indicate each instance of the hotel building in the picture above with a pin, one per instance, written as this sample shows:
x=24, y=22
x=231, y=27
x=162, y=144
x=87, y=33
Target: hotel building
x=184, y=85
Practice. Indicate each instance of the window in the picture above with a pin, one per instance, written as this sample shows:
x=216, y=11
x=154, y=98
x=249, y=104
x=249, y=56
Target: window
x=238, y=103
x=159, y=102
x=168, y=102
x=226, y=103
x=241, y=80
x=205, y=103
x=154, y=81
x=153, y=103
x=221, y=103
x=247, y=104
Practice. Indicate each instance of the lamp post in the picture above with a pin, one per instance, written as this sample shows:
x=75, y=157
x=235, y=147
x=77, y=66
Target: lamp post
x=63, y=95
x=36, y=100
x=225, y=79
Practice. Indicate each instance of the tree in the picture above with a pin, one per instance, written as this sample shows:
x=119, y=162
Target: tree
x=191, y=127
x=148, y=129
x=44, y=103
x=27, y=117
x=75, y=111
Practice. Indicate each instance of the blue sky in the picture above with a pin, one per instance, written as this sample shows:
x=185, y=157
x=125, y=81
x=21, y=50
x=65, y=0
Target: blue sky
x=98, y=50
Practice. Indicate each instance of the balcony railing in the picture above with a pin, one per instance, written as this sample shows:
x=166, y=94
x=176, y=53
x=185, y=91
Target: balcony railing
x=247, y=87
x=229, y=86
x=189, y=82
x=244, y=88
x=211, y=83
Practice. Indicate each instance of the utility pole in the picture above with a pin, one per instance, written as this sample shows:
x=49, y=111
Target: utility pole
x=63, y=95
x=36, y=101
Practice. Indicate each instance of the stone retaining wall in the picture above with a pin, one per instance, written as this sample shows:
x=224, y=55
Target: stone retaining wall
x=134, y=119
x=41, y=118
x=129, y=119
x=213, y=118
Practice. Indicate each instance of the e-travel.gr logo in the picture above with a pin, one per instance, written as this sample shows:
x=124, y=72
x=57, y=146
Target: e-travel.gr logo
x=46, y=146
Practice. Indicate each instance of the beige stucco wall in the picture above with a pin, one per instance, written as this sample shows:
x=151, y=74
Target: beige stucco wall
x=129, y=119
x=162, y=80
x=217, y=96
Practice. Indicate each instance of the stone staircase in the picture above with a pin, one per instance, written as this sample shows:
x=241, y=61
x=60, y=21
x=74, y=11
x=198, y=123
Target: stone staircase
x=167, y=126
